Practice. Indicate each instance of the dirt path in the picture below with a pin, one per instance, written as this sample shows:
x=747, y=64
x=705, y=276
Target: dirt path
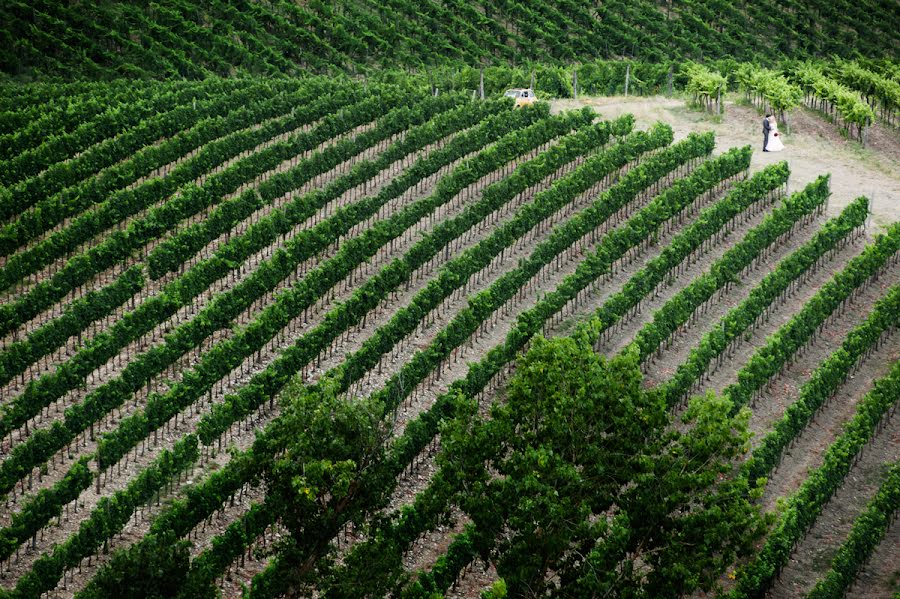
x=813, y=148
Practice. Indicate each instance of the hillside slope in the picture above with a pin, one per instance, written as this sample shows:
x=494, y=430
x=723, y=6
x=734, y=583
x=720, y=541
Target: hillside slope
x=185, y=38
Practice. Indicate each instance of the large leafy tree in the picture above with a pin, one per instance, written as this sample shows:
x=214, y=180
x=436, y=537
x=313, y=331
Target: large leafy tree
x=581, y=483
x=325, y=451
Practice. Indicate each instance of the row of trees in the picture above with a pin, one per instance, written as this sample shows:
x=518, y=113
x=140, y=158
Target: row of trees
x=43, y=507
x=779, y=349
x=699, y=236
x=846, y=106
x=225, y=356
x=707, y=87
x=281, y=38
x=47, y=165
x=824, y=383
x=880, y=90
x=222, y=120
x=53, y=30
x=721, y=342
x=126, y=204
x=373, y=291
x=421, y=431
x=804, y=506
x=207, y=567
x=868, y=530
x=110, y=154
x=18, y=356
x=161, y=217
x=198, y=503
x=727, y=270
x=22, y=105
x=177, y=249
x=769, y=90
x=18, y=134
x=220, y=312
x=106, y=520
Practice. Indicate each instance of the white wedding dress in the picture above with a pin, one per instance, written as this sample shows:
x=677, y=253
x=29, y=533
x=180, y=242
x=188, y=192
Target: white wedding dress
x=774, y=144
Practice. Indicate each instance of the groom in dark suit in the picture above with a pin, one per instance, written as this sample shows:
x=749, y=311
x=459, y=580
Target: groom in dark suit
x=767, y=126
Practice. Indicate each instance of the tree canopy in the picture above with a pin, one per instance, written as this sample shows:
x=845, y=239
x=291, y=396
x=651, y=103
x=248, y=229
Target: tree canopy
x=582, y=483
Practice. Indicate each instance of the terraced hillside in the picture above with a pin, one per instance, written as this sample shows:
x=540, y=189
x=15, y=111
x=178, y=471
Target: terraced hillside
x=189, y=39
x=177, y=255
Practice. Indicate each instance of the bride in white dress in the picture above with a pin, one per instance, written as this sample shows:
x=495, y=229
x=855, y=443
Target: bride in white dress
x=774, y=144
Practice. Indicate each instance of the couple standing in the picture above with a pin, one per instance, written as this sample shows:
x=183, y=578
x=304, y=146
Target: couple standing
x=771, y=136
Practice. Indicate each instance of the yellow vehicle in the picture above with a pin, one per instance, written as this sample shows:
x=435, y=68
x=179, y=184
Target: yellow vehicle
x=522, y=96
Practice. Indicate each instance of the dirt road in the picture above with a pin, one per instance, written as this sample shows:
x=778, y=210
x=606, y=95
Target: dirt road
x=813, y=147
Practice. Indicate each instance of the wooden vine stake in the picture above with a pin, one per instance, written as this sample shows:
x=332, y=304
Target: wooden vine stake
x=627, y=78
